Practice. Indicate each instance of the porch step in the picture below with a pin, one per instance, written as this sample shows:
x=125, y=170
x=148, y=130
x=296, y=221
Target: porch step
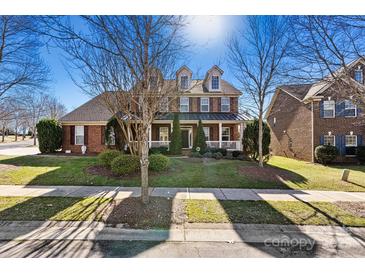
x=186, y=152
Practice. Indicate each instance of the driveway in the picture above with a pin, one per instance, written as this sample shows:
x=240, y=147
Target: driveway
x=19, y=148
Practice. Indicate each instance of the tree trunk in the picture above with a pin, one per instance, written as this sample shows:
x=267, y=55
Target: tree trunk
x=35, y=137
x=144, y=171
x=3, y=137
x=261, y=159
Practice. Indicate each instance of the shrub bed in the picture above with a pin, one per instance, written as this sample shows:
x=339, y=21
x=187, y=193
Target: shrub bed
x=107, y=156
x=159, y=150
x=125, y=164
x=158, y=162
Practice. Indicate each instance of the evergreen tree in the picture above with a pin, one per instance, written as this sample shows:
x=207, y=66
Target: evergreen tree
x=200, y=139
x=250, y=140
x=176, y=143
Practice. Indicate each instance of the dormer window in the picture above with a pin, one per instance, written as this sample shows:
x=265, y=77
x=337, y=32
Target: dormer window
x=215, y=82
x=359, y=76
x=184, y=82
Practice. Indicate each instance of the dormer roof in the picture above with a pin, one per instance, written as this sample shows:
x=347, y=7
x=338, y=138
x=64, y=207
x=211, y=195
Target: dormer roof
x=183, y=68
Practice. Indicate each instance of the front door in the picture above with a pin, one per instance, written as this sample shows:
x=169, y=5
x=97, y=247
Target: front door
x=185, y=138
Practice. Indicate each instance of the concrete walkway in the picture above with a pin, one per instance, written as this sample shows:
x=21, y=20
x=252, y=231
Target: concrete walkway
x=184, y=193
x=19, y=148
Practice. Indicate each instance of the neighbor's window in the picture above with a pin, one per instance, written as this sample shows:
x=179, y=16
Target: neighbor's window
x=79, y=135
x=351, y=144
x=164, y=104
x=164, y=134
x=184, y=82
x=359, y=76
x=111, y=139
x=226, y=134
x=329, y=140
x=184, y=104
x=215, y=82
x=329, y=109
x=350, y=109
x=204, y=104
x=225, y=104
x=206, y=133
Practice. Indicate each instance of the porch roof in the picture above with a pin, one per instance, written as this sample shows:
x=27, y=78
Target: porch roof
x=216, y=116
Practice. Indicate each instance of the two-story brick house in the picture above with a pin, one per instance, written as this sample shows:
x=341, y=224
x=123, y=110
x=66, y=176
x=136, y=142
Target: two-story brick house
x=301, y=117
x=212, y=100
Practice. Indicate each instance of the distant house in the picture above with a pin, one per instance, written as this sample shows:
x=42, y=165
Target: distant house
x=302, y=117
x=212, y=100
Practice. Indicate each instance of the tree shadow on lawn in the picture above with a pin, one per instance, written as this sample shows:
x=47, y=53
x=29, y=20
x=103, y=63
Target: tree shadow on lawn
x=359, y=168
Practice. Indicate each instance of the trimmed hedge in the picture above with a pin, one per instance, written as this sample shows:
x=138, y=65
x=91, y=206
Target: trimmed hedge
x=159, y=150
x=107, y=156
x=125, y=164
x=325, y=154
x=158, y=162
x=360, y=153
x=213, y=150
x=49, y=135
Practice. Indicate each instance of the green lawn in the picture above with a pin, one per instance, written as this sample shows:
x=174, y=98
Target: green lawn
x=270, y=212
x=286, y=173
x=163, y=212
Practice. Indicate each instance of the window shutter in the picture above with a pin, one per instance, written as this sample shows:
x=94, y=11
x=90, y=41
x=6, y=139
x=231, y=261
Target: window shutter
x=359, y=140
x=198, y=104
x=338, y=143
x=340, y=109
x=343, y=145
x=321, y=140
x=219, y=104
x=321, y=111
x=190, y=104
x=86, y=135
x=72, y=135
x=211, y=102
x=102, y=135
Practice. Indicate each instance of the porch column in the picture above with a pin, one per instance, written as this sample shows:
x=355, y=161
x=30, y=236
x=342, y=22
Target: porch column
x=242, y=125
x=220, y=135
x=149, y=136
x=172, y=126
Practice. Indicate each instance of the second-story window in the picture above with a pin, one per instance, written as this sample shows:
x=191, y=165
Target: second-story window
x=184, y=104
x=225, y=104
x=204, y=104
x=359, y=76
x=350, y=109
x=329, y=109
x=215, y=82
x=164, y=104
x=184, y=82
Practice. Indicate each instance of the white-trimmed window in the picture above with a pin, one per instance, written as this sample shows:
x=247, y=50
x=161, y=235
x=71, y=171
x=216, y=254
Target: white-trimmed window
x=207, y=133
x=351, y=140
x=164, y=134
x=215, y=82
x=226, y=134
x=225, y=104
x=329, y=109
x=329, y=140
x=359, y=76
x=204, y=104
x=184, y=82
x=79, y=135
x=350, y=109
x=184, y=104
x=164, y=104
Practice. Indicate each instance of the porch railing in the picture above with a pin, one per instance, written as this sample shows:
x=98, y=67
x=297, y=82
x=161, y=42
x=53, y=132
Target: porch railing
x=159, y=143
x=234, y=145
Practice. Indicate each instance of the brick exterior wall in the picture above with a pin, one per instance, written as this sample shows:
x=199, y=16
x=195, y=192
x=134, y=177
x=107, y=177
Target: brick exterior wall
x=94, y=144
x=291, y=135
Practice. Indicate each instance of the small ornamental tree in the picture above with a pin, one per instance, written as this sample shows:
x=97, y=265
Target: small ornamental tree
x=250, y=140
x=199, y=141
x=176, y=143
x=49, y=135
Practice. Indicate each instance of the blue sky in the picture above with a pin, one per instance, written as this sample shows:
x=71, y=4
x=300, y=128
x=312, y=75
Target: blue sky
x=208, y=34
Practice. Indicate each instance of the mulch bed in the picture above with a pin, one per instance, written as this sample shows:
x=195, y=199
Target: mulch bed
x=267, y=174
x=355, y=208
x=159, y=212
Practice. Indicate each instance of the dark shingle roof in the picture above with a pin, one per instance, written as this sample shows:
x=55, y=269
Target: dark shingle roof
x=205, y=116
x=299, y=91
x=93, y=110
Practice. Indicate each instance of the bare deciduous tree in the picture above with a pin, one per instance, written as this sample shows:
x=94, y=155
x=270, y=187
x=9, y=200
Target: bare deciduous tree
x=21, y=67
x=127, y=60
x=257, y=55
x=54, y=108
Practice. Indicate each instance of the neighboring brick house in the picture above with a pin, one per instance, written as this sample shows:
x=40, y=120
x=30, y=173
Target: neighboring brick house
x=301, y=117
x=212, y=100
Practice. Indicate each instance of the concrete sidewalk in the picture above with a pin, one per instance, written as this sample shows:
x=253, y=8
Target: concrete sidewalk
x=184, y=193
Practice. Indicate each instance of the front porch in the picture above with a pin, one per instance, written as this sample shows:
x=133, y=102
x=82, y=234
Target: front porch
x=218, y=135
